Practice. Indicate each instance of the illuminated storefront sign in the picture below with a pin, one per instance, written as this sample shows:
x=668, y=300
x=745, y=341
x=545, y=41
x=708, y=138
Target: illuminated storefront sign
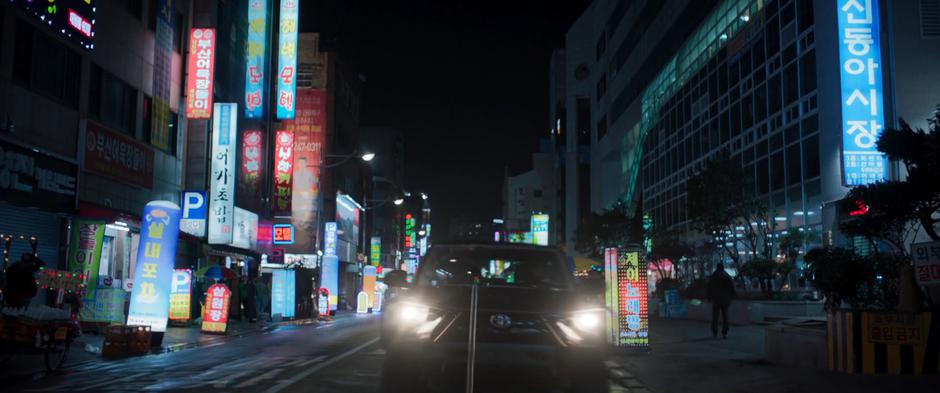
x=73, y=18
x=411, y=244
x=329, y=269
x=862, y=99
x=632, y=302
x=283, y=292
x=153, y=276
x=252, y=150
x=283, y=172
x=368, y=283
x=329, y=240
x=162, y=75
x=215, y=314
x=180, y=294
x=245, y=229
x=199, y=79
x=195, y=210
x=539, y=229
x=254, y=56
x=222, y=182
x=283, y=234
x=287, y=60
x=85, y=252
x=611, y=299
x=376, y=251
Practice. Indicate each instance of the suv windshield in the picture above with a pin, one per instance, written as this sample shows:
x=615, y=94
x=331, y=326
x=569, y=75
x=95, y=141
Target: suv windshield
x=493, y=266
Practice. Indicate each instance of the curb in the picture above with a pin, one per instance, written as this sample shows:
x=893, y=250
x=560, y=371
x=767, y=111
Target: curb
x=223, y=338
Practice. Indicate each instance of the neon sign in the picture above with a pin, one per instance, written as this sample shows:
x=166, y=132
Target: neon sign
x=287, y=60
x=221, y=188
x=180, y=294
x=215, y=316
x=283, y=172
x=632, y=326
x=199, y=81
x=283, y=234
x=251, y=157
x=862, y=98
x=254, y=54
x=539, y=229
x=74, y=19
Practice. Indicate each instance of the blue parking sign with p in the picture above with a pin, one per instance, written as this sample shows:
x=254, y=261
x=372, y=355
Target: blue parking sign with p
x=195, y=211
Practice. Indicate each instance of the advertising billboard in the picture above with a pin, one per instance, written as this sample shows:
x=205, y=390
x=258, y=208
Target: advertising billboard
x=85, y=252
x=539, y=228
x=283, y=292
x=632, y=299
x=863, y=115
x=153, y=277
x=215, y=312
x=254, y=58
x=74, y=19
x=117, y=156
x=162, y=75
x=368, y=283
x=199, y=76
x=283, y=172
x=195, y=210
x=329, y=269
x=309, y=139
x=181, y=294
x=287, y=60
x=222, y=182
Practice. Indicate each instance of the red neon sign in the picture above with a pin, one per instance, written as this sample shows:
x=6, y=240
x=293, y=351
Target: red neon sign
x=283, y=172
x=283, y=234
x=199, y=81
x=215, y=317
x=862, y=208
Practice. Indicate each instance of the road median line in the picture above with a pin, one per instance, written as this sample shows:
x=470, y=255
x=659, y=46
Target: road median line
x=306, y=373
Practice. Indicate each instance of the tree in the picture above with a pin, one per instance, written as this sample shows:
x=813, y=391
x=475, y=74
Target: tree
x=723, y=205
x=919, y=151
x=879, y=212
x=599, y=231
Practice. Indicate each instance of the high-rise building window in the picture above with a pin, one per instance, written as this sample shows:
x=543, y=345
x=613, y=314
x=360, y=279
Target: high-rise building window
x=112, y=101
x=46, y=66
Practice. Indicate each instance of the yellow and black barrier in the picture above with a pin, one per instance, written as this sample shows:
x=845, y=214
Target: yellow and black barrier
x=872, y=342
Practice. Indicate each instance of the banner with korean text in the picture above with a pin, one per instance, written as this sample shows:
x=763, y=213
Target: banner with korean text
x=255, y=51
x=632, y=299
x=222, y=181
x=287, y=60
x=85, y=252
x=215, y=312
x=153, y=277
x=283, y=172
x=199, y=79
x=863, y=115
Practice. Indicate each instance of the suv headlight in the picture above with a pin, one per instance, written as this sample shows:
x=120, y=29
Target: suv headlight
x=586, y=321
x=411, y=312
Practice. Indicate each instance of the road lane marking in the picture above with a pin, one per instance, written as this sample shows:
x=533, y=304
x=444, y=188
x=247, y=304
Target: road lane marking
x=296, y=378
x=268, y=375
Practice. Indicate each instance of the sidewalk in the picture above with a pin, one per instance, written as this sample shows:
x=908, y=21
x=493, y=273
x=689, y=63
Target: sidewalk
x=175, y=339
x=685, y=358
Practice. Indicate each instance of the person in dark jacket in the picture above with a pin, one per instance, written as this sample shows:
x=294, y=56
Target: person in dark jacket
x=720, y=293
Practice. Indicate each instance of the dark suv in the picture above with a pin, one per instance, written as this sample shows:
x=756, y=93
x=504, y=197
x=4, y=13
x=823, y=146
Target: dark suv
x=493, y=316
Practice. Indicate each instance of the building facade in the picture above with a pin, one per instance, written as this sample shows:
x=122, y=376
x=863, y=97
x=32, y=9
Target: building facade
x=675, y=82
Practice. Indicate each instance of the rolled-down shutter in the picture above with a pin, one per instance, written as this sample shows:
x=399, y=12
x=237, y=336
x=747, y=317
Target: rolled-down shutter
x=27, y=222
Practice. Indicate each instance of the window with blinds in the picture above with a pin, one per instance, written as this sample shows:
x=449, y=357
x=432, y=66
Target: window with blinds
x=930, y=18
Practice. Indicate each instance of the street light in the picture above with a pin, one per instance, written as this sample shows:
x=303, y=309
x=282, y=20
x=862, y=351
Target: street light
x=424, y=196
x=368, y=157
x=399, y=201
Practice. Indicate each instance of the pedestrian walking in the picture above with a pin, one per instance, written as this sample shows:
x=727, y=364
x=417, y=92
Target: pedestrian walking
x=720, y=293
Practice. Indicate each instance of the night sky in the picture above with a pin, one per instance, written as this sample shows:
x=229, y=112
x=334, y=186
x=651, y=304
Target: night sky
x=466, y=82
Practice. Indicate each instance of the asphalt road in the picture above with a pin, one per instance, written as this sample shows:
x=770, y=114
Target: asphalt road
x=340, y=356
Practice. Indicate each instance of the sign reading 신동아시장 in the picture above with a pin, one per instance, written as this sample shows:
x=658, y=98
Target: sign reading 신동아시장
x=153, y=276
x=863, y=115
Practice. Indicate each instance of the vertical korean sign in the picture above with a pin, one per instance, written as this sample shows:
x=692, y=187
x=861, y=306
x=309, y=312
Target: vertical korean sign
x=85, y=252
x=283, y=172
x=222, y=182
x=153, y=277
x=215, y=315
x=632, y=304
x=254, y=57
x=862, y=92
x=252, y=147
x=287, y=60
x=162, y=74
x=180, y=295
x=539, y=223
x=329, y=270
x=376, y=251
x=199, y=79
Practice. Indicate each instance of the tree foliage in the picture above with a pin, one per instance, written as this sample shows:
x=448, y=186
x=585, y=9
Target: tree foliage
x=596, y=232
x=863, y=282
